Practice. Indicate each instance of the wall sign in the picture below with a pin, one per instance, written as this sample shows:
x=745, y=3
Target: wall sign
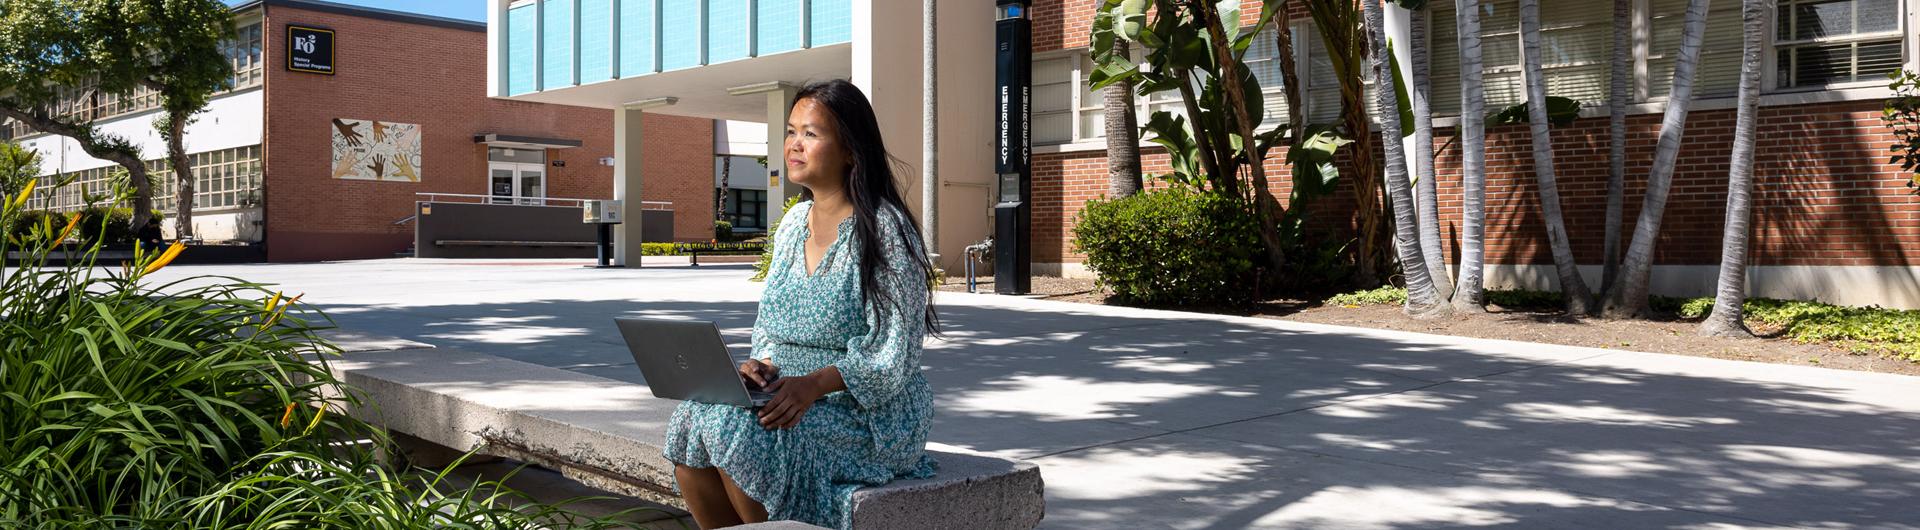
x=309, y=49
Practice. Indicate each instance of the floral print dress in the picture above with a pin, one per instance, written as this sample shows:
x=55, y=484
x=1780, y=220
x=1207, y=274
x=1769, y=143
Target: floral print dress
x=871, y=433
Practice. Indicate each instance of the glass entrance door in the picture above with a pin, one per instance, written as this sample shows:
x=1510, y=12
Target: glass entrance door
x=516, y=183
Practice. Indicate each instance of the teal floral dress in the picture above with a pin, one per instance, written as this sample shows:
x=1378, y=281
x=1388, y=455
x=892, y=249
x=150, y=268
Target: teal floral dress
x=871, y=433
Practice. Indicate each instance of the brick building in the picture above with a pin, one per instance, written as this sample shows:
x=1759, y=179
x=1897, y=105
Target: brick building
x=1833, y=220
x=269, y=171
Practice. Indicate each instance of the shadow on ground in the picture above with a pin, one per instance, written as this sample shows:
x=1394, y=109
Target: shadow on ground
x=1202, y=423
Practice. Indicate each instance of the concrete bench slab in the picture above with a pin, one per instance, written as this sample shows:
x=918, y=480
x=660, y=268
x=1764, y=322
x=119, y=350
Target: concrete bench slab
x=606, y=434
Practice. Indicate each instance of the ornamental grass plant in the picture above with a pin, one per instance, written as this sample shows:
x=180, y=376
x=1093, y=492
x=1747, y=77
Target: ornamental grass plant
x=200, y=403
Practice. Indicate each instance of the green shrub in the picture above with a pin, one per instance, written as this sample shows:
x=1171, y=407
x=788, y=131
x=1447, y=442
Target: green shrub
x=722, y=231
x=1902, y=115
x=194, y=404
x=1863, y=330
x=766, y=256
x=658, y=249
x=1383, y=295
x=97, y=223
x=1171, y=246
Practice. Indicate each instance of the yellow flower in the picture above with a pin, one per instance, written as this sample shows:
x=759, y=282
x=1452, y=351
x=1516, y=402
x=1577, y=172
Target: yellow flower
x=283, y=310
x=22, y=199
x=274, y=302
x=173, y=251
x=71, y=224
x=287, y=417
x=316, y=420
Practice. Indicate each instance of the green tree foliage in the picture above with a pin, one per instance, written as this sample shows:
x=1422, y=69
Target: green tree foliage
x=1903, y=116
x=112, y=47
x=17, y=166
x=1171, y=247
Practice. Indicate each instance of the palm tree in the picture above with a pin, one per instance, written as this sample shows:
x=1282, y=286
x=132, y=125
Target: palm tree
x=1428, y=188
x=1579, y=298
x=1422, y=300
x=1728, y=316
x=1469, y=294
x=1617, y=141
x=1123, y=147
x=1629, y=296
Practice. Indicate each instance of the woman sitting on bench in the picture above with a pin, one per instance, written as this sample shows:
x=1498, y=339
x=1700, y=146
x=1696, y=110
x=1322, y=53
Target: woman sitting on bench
x=837, y=340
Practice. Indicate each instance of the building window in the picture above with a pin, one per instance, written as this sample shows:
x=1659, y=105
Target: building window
x=1828, y=42
x=1815, y=43
x=1053, y=109
x=244, y=53
x=227, y=178
x=746, y=209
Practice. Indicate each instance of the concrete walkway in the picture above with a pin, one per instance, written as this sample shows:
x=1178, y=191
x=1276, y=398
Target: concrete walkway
x=1158, y=419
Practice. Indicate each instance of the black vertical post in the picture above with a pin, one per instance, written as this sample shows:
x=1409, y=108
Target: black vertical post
x=603, y=252
x=1013, y=213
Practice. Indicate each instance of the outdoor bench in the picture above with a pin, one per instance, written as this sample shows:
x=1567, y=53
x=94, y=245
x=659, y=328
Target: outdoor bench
x=693, y=252
x=606, y=434
x=491, y=243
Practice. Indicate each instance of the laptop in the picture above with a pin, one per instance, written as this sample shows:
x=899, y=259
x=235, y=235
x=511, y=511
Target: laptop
x=686, y=360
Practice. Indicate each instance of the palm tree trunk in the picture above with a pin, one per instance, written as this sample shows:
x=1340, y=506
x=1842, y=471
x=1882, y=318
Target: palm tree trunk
x=1729, y=314
x=1346, y=48
x=1617, y=141
x=1629, y=296
x=1469, y=294
x=1263, y=202
x=1422, y=300
x=1428, y=205
x=176, y=134
x=720, y=195
x=1123, y=144
x=1579, y=298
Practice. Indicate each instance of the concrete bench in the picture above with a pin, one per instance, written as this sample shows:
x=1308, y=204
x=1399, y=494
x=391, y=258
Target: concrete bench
x=606, y=434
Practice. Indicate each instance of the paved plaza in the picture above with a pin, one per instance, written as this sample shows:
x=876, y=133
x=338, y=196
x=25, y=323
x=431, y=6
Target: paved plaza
x=1161, y=419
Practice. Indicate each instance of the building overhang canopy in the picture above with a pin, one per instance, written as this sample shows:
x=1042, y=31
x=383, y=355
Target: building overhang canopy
x=524, y=142
x=704, y=91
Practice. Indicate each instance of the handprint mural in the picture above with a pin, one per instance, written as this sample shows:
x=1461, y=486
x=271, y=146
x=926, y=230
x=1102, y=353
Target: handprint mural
x=376, y=150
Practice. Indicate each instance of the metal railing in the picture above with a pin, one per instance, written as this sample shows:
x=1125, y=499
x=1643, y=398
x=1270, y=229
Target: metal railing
x=468, y=198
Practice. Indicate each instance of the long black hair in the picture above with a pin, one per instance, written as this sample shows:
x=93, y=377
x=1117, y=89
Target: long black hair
x=870, y=187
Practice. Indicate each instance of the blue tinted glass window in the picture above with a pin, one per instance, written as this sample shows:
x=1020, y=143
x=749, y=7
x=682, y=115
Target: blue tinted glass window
x=779, y=25
x=832, y=21
x=522, y=28
x=596, y=40
x=556, y=43
x=636, y=37
x=726, y=30
x=679, y=34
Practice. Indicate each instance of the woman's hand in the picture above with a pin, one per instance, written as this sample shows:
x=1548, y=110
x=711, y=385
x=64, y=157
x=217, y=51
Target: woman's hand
x=757, y=373
x=792, y=397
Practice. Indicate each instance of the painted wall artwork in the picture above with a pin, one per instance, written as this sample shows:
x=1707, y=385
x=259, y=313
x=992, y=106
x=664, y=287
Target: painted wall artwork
x=376, y=150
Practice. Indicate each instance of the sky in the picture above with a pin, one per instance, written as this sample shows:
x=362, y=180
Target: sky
x=475, y=10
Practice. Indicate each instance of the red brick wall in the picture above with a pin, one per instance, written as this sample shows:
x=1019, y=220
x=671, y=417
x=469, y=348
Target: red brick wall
x=1824, y=194
x=435, y=77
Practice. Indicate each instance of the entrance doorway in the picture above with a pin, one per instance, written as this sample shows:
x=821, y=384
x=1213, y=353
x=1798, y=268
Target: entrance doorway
x=516, y=176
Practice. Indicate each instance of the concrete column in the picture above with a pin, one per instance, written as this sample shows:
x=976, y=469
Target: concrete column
x=779, y=101
x=627, y=147
x=886, y=66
